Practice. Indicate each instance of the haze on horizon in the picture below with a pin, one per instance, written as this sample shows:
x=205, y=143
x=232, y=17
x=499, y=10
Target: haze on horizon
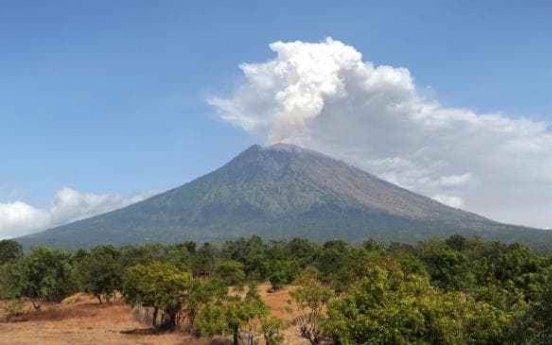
x=101, y=115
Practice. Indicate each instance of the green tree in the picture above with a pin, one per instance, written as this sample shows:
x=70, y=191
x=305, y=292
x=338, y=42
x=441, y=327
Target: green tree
x=181, y=255
x=391, y=306
x=252, y=252
x=457, y=242
x=382, y=309
x=282, y=272
x=46, y=275
x=449, y=269
x=143, y=254
x=352, y=268
x=11, y=280
x=311, y=298
x=201, y=295
x=333, y=256
x=230, y=271
x=271, y=328
x=101, y=272
x=303, y=251
x=232, y=315
x=535, y=327
x=240, y=312
x=204, y=260
x=211, y=320
x=10, y=250
x=160, y=286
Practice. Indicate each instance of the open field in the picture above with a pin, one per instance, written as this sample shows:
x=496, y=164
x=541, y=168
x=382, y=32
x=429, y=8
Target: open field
x=85, y=321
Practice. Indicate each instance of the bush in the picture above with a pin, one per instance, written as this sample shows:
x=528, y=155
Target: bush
x=282, y=272
x=14, y=309
x=271, y=327
x=231, y=272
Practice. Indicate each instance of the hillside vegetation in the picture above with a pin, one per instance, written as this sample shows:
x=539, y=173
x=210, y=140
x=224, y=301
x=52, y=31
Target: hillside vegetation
x=453, y=291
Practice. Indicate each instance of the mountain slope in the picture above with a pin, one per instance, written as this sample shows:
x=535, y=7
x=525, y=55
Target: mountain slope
x=281, y=191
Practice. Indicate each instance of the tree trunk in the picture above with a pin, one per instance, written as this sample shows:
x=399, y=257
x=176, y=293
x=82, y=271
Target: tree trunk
x=99, y=297
x=315, y=340
x=236, y=337
x=36, y=305
x=191, y=319
x=170, y=322
x=154, y=318
x=250, y=339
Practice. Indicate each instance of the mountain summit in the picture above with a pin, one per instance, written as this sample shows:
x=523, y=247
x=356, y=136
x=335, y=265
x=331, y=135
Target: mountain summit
x=280, y=192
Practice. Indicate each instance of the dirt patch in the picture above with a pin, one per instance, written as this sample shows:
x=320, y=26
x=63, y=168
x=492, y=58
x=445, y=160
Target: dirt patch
x=81, y=320
x=84, y=321
x=278, y=301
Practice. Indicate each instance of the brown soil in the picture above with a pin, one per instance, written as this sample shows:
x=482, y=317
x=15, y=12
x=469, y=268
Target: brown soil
x=82, y=320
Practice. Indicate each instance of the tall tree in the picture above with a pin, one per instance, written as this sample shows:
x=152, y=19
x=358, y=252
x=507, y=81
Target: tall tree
x=47, y=275
x=101, y=272
x=201, y=295
x=160, y=286
x=311, y=298
x=233, y=315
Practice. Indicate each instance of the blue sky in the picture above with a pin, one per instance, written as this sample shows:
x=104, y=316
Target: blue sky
x=110, y=97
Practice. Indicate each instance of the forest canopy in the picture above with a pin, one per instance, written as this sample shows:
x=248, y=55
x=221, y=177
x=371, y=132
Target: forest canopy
x=441, y=291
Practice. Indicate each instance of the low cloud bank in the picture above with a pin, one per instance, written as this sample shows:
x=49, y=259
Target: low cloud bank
x=68, y=205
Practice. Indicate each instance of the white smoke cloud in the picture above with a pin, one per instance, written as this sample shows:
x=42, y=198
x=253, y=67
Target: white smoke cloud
x=68, y=205
x=325, y=97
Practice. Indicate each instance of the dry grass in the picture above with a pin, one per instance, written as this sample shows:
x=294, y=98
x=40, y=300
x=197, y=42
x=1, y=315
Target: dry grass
x=84, y=321
x=81, y=320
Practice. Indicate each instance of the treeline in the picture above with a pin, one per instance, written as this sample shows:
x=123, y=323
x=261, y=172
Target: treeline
x=453, y=291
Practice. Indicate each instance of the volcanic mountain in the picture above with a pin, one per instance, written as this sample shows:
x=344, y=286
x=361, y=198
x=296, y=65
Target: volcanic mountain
x=281, y=192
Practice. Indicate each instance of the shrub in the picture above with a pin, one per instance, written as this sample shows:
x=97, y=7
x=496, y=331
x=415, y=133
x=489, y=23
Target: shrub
x=14, y=309
x=231, y=272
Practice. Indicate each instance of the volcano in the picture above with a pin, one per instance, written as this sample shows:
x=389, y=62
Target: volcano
x=281, y=192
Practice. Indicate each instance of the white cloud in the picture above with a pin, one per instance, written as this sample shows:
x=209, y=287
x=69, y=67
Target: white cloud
x=68, y=205
x=325, y=97
x=452, y=201
x=455, y=180
x=21, y=218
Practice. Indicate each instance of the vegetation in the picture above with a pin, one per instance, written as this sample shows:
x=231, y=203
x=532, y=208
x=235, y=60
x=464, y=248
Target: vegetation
x=233, y=315
x=230, y=271
x=160, y=286
x=10, y=250
x=453, y=291
x=101, y=271
x=311, y=298
x=45, y=275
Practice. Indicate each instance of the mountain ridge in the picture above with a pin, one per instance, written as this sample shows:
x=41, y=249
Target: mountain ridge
x=279, y=192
